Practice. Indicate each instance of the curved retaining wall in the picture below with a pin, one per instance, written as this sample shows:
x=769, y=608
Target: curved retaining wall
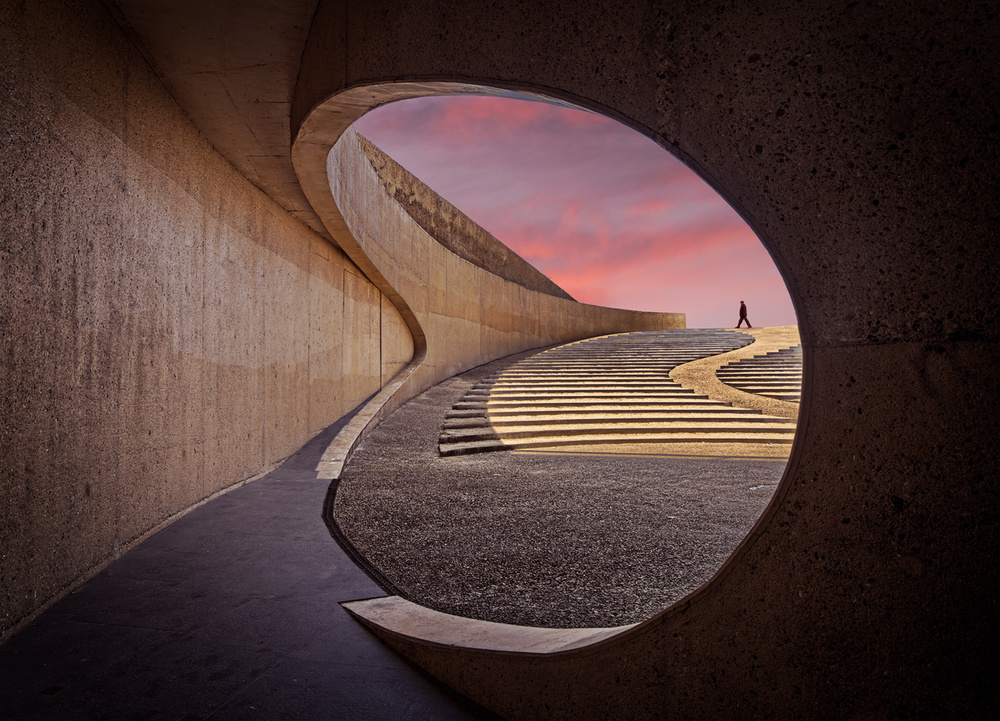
x=452, y=228
x=166, y=329
x=467, y=314
x=862, y=150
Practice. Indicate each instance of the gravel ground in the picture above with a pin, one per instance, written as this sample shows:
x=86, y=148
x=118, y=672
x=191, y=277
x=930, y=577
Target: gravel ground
x=541, y=539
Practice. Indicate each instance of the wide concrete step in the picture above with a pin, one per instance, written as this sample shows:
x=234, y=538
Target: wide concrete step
x=562, y=401
x=545, y=419
x=509, y=444
x=493, y=407
x=756, y=386
x=516, y=429
x=612, y=389
x=573, y=395
x=582, y=410
x=542, y=415
x=632, y=387
x=608, y=376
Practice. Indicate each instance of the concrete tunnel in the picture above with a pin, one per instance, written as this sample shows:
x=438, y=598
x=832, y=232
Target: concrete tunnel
x=200, y=274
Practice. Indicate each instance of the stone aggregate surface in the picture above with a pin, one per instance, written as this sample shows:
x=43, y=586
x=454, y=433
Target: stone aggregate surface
x=552, y=539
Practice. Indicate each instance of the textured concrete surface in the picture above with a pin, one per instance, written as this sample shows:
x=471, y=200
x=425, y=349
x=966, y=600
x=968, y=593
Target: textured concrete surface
x=607, y=391
x=861, y=149
x=776, y=374
x=858, y=139
x=412, y=620
x=166, y=330
x=700, y=375
x=552, y=540
x=452, y=228
x=458, y=313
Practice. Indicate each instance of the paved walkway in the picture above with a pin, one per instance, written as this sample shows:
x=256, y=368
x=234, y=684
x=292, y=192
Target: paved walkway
x=229, y=613
x=233, y=611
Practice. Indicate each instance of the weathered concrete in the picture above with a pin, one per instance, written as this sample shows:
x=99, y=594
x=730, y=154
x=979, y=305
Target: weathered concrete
x=167, y=330
x=859, y=140
x=862, y=150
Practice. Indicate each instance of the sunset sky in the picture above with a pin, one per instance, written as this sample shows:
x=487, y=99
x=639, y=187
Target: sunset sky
x=603, y=211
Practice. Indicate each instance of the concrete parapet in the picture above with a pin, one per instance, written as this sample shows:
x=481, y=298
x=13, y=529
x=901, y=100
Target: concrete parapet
x=464, y=314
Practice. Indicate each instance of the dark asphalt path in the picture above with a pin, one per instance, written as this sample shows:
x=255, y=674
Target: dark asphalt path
x=229, y=613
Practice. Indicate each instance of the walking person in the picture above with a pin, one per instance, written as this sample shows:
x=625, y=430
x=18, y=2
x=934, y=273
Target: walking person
x=743, y=315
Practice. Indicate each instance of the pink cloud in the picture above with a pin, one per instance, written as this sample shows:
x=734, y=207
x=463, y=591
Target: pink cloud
x=605, y=212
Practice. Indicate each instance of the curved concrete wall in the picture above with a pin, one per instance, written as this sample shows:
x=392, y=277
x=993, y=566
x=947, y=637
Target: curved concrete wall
x=859, y=139
x=452, y=228
x=467, y=314
x=862, y=148
x=166, y=330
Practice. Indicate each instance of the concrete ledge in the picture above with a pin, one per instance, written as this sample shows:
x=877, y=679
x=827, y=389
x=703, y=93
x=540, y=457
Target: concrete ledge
x=396, y=617
x=336, y=455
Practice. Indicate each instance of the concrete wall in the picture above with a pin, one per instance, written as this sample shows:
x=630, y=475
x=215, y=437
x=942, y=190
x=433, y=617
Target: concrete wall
x=166, y=330
x=466, y=314
x=860, y=140
x=452, y=228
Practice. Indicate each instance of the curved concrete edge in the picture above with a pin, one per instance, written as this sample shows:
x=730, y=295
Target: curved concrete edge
x=338, y=452
x=310, y=149
x=700, y=376
x=452, y=228
x=392, y=617
x=330, y=160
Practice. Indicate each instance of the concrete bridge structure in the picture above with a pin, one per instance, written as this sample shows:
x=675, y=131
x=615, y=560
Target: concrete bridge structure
x=203, y=268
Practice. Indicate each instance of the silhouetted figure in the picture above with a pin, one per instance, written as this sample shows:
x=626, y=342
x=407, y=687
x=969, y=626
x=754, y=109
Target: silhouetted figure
x=743, y=315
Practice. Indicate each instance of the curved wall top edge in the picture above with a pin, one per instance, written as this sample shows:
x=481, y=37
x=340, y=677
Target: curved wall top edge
x=452, y=228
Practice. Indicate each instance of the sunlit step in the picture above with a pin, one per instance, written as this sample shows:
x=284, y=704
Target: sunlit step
x=469, y=447
x=497, y=406
x=554, y=419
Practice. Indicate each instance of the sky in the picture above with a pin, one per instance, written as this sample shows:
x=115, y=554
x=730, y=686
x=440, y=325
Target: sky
x=606, y=213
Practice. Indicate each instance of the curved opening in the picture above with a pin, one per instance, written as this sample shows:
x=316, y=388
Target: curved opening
x=602, y=210
x=637, y=510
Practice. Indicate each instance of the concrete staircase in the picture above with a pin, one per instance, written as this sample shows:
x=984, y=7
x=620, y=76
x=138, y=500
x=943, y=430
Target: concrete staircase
x=611, y=389
x=777, y=374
